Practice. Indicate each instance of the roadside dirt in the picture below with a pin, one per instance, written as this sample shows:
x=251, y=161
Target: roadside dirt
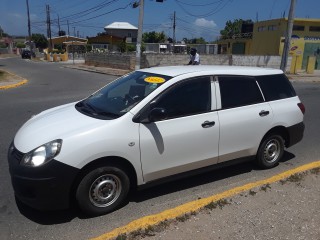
x=287, y=209
x=8, y=78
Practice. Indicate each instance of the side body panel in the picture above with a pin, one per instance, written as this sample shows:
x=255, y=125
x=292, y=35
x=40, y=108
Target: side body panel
x=241, y=130
x=178, y=145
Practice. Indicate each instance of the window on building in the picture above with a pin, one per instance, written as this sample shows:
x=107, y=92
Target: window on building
x=272, y=27
x=129, y=35
x=298, y=28
x=262, y=28
x=314, y=28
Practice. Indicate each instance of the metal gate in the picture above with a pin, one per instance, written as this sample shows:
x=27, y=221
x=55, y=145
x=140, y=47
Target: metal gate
x=311, y=49
x=238, y=48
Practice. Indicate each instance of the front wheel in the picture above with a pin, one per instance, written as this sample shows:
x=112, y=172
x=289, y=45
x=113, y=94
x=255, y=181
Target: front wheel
x=102, y=190
x=270, y=151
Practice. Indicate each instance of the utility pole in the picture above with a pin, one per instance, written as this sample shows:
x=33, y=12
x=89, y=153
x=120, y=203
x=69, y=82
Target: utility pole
x=74, y=31
x=29, y=28
x=174, y=29
x=49, y=26
x=68, y=28
x=287, y=42
x=59, y=24
x=139, y=37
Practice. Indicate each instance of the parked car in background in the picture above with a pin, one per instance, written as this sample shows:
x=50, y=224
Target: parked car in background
x=27, y=54
x=150, y=125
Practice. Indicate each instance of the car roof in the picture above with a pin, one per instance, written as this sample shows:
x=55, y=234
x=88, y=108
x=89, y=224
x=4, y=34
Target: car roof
x=174, y=71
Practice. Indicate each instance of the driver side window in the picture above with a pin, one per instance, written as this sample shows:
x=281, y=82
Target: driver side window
x=186, y=98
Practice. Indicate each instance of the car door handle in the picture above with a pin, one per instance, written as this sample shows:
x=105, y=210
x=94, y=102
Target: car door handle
x=208, y=124
x=263, y=113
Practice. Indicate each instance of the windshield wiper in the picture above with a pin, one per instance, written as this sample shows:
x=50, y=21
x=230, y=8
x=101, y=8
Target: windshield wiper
x=85, y=106
x=90, y=107
x=108, y=114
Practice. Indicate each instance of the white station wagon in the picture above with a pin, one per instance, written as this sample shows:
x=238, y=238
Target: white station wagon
x=150, y=125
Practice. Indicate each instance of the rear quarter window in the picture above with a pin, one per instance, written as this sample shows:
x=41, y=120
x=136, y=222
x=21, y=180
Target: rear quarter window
x=275, y=87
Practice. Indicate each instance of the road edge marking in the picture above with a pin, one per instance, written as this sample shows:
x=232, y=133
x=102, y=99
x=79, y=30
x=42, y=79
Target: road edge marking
x=14, y=85
x=172, y=213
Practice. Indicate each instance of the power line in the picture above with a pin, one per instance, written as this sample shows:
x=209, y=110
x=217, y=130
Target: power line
x=199, y=5
x=218, y=8
x=114, y=10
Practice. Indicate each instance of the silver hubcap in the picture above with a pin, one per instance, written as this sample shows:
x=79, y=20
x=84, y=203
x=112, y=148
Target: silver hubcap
x=272, y=150
x=105, y=190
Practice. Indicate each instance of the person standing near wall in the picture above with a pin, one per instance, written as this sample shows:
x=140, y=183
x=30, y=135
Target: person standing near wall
x=194, y=57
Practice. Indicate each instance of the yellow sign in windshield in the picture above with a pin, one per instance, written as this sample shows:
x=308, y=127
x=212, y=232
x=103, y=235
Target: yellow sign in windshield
x=154, y=80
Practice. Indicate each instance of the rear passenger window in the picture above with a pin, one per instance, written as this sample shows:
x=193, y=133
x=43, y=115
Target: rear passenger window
x=239, y=91
x=275, y=87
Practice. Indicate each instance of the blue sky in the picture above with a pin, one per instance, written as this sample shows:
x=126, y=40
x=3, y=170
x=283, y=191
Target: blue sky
x=202, y=18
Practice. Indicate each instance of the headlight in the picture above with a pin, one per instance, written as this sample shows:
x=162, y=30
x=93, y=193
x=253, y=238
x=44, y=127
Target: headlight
x=42, y=154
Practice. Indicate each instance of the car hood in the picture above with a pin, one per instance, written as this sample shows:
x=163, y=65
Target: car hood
x=56, y=123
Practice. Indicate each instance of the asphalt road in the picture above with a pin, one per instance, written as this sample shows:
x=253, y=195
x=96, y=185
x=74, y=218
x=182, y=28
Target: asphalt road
x=50, y=85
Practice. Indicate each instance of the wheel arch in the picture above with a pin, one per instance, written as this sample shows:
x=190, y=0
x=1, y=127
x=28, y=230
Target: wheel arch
x=282, y=131
x=113, y=161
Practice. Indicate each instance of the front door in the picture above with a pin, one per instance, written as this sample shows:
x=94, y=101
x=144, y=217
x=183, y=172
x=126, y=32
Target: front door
x=188, y=138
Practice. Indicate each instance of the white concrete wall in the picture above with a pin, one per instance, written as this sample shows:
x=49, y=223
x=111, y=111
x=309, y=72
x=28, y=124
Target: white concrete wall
x=152, y=60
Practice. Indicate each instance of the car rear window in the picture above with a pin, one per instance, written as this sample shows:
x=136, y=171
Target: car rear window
x=275, y=87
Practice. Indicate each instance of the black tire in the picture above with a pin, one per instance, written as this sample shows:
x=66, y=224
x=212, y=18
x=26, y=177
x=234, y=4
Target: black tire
x=270, y=151
x=102, y=190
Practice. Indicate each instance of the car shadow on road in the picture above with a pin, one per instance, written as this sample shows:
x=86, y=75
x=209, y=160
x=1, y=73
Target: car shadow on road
x=64, y=216
x=48, y=217
x=201, y=179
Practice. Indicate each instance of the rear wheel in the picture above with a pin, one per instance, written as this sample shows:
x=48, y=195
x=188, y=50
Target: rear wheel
x=270, y=151
x=102, y=190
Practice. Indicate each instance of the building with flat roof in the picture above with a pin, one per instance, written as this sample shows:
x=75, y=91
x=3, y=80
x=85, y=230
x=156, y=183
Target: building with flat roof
x=267, y=38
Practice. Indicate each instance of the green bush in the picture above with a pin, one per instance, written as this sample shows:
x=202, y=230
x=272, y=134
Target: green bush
x=20, y=45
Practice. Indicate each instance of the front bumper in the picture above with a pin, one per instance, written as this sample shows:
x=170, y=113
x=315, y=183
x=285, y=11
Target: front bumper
x=47, y=187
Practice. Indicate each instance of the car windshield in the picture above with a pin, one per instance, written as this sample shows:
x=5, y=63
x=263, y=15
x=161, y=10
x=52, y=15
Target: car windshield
x=118, y=97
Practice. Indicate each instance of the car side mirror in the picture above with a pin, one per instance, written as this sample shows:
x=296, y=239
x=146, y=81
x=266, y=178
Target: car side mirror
x=157, y=114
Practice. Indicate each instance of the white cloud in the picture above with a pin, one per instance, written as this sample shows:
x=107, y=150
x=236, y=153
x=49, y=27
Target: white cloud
x=202, y=22
x=15, y=16
x=33, y=17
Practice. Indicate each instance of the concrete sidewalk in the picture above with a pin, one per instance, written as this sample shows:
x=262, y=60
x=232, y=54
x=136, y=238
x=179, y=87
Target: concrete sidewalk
x=103, y=70
x=284, y=206
x=283, y=210
x=315, y=77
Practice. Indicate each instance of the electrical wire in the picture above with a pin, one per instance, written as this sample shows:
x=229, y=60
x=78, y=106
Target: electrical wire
x=199, y=5
x=221, y=4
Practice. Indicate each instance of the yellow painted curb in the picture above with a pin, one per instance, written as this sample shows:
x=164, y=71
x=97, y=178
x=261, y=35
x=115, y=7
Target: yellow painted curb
x=14, y=85
x=155, y=219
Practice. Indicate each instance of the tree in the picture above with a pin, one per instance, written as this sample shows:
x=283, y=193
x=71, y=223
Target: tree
x=153, y=37
x=2, y=33
x=122, y=46
x=20, y=45
x=233, y=28
x=40, y=40
x=200, y=40
x=62, y=33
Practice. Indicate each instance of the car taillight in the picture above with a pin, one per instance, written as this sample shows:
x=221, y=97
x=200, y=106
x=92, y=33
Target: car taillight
x=302, y=108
